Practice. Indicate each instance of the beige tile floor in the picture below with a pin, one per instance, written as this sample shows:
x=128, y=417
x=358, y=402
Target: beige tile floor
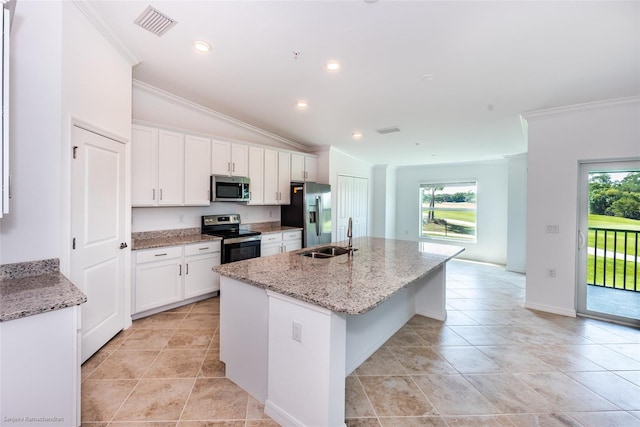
x=492, y=363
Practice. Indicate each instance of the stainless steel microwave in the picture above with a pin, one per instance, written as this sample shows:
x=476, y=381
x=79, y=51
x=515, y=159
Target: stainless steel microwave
x=229, y=189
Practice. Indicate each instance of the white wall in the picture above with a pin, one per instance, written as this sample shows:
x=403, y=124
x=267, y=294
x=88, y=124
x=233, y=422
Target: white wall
x=96, y=90
x=491, y=245
x=383, y=201
x=31, y=229
x=165, y=109
x=172, y=218
x=558, y=140
x=61, y=68
x=517, y=221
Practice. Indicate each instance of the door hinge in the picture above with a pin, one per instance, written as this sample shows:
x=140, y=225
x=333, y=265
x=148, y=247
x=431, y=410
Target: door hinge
x=75, y=150
x=73, y=244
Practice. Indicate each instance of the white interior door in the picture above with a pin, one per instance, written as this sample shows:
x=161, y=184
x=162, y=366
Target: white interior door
x=353, y=202
x=98, y=231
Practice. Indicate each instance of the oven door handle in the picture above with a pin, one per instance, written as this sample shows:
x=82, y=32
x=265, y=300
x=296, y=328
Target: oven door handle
x=241, y=240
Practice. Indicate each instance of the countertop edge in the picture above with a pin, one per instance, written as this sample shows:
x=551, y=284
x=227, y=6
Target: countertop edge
x=39, y=294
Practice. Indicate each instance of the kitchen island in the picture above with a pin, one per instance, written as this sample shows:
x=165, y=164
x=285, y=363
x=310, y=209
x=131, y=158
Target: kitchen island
x=293, y=327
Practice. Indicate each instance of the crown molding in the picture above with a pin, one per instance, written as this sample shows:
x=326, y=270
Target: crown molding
x=190, y=104
x=105, y=29
x=579, y=107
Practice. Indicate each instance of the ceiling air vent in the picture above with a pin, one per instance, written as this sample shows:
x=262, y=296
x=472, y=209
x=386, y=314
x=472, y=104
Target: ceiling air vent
x=388, y=130
x=155, y=21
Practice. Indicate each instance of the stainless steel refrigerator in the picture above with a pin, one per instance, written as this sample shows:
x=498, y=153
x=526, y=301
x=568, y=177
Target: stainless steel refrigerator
x=310, y=209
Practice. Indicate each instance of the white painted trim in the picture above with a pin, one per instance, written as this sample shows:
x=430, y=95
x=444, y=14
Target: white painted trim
x=579, y=107
x=550, y=309
x=97, y=130
x=332, y=148
x=190, y=104
x=103, y=27
x=294, y=301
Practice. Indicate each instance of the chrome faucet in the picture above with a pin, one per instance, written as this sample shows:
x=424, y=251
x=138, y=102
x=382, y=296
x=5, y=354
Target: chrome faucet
x=350, y=236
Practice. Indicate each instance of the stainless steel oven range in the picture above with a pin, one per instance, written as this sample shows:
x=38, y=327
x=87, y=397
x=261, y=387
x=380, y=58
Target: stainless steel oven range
x=237, y=244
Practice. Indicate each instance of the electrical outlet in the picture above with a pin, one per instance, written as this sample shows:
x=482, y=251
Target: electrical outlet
x=296, y=332
x=551, y=272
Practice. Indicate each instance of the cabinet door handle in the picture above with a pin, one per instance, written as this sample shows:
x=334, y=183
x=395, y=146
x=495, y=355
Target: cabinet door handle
x=233, y=168
x=153, y=197
x=228, y=166
x=203, y=249
x=180, y=270
x=187, y=268
x=161, y=194
x=164, y=254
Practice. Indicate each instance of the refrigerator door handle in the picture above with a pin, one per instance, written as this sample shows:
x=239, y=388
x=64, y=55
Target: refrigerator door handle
x=319, y=216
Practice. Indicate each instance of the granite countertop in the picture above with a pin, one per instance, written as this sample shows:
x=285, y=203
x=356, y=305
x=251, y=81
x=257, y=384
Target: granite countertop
x=354, y=285
x=185, y=236
x=269, y=229
x=159, y=242
x=32, y=288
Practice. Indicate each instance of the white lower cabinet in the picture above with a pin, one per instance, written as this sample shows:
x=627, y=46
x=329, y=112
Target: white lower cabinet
x=277, y=243
x=271, y=244
x=199, y=260
x=171, y=275
x=291, y=240
x=40, y=369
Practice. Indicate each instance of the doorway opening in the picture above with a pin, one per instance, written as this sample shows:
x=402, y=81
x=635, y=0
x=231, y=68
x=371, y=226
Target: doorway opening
x=609, y=239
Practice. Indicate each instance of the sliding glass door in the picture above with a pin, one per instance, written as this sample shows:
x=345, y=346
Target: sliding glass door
x=608, y=241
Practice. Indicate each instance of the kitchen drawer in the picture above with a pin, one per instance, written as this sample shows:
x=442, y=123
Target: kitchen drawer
x=271, y=238
x=202, y=248
x=158, y=254
x=292, y=235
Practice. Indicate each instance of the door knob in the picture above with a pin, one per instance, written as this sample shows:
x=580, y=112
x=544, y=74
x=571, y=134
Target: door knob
x=123, y=245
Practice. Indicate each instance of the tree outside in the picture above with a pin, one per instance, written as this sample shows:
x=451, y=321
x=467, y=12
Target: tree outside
x=614, y=224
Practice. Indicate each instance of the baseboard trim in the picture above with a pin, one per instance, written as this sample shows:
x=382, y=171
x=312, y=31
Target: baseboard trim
x=550, y=309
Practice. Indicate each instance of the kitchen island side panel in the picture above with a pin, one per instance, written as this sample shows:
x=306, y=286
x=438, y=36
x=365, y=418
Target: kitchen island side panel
x=306, y=367
x=244, y=333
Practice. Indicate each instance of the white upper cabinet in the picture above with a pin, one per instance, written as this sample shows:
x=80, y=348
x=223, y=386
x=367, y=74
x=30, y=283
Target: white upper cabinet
x=144, y=171
x=228, y=158
x=197, y=162
x=284, y=177
x=256, y=175
x=277, y=177
x=170, y=168
x=304, y=168
x=157, y=167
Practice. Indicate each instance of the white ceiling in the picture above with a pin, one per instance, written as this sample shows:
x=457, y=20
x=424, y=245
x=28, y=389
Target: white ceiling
x=488, y=62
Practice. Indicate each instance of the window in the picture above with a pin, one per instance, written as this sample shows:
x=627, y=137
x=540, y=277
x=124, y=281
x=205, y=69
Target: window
x=448, y=210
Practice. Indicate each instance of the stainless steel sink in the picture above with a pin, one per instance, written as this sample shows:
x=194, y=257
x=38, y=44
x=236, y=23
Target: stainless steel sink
x=325, y=252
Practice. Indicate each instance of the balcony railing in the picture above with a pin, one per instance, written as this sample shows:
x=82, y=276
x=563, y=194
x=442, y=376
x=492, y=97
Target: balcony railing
x=612, y=260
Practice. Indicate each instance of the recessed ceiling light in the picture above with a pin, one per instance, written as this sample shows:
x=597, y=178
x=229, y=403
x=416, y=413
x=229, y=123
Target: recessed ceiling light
x=333, y=65
x=356, y=135
x=302, y=104
x=201, y=46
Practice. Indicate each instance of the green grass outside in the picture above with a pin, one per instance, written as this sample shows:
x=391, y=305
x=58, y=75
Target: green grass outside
x=603, y=221
x=452, y=230
x=619, y=274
